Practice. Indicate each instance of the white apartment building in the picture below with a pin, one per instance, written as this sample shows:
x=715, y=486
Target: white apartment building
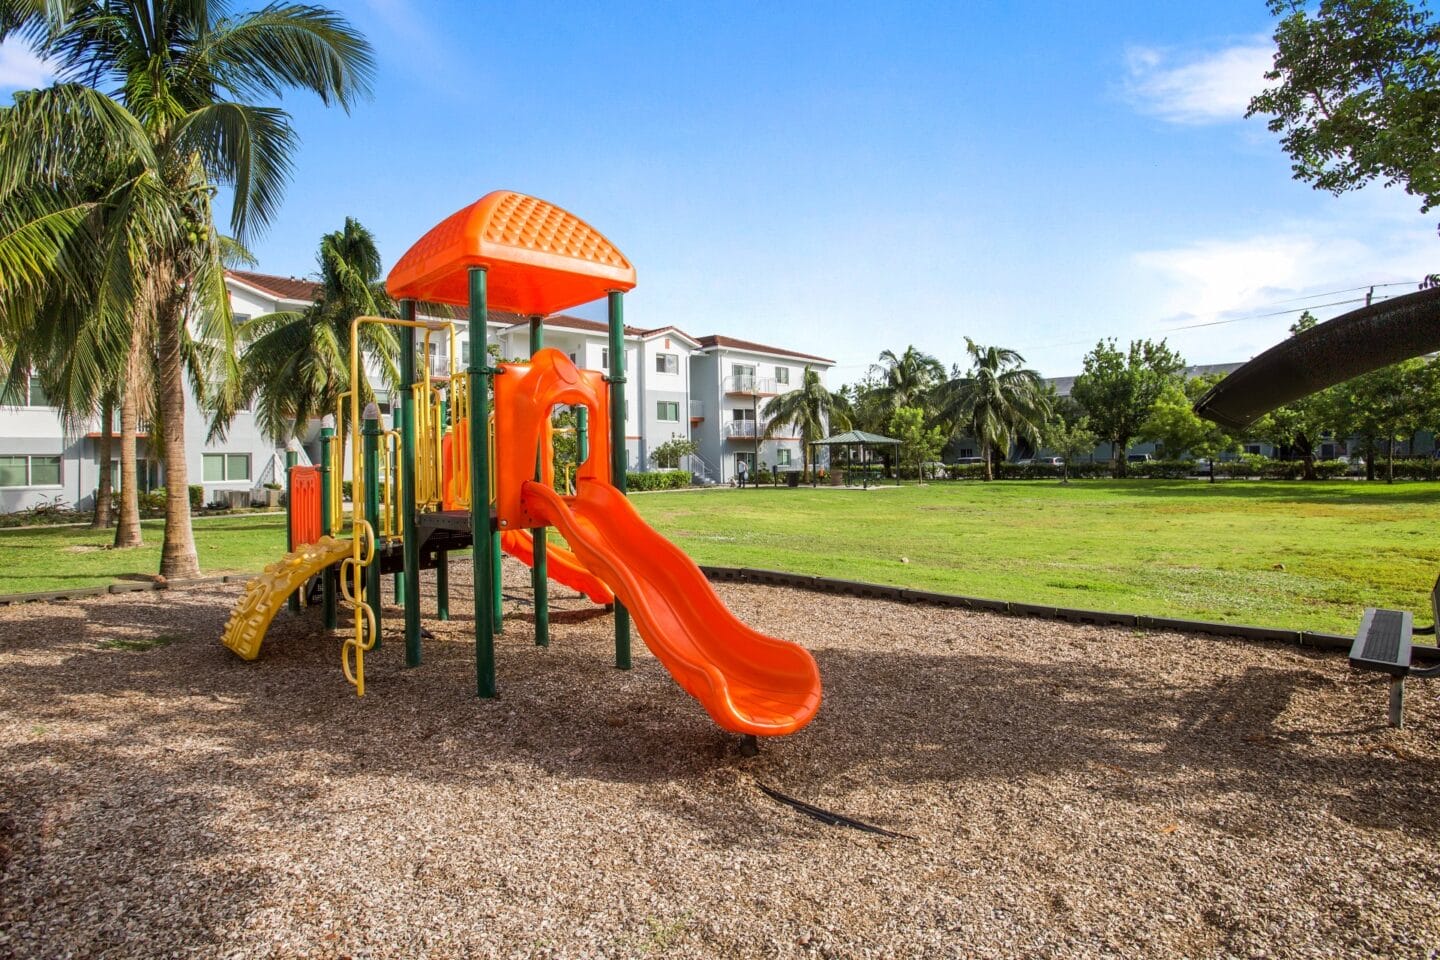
x=710, y=389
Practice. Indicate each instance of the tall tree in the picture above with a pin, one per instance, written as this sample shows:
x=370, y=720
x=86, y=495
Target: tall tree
x=1386, y=404
x=1117, y=390
x=996, y=401
x=1299, y=425
x=1070, y=439
x=905, y=380
x=297, y=363
x=183, y=72
x=919, y=443
x=810, y=411
x=1356, y=94
x=1174, y=425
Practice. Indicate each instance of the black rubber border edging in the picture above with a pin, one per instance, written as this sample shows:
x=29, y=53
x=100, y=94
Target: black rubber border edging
x=136, y=586
x=856, y=588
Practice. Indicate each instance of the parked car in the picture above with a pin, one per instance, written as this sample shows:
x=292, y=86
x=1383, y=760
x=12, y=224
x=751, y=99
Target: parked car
x=1139, y=458
x=1048, y=461
x=966, y=461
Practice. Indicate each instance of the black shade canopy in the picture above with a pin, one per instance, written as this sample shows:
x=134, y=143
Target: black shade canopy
x=1328, y=353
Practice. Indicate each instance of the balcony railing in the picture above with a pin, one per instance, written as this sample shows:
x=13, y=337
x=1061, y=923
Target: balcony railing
x=697, y=410
x=748, y=385
x=743, y=428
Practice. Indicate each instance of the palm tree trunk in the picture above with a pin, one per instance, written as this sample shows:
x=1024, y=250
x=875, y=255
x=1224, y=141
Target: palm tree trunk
x=127, y=524
x=178, y=559
x=101, y=520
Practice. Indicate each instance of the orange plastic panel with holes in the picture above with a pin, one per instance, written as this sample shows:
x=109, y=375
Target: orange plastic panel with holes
x=539, y=258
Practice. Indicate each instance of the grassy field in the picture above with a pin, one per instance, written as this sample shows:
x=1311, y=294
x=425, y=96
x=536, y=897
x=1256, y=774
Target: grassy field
x=60, y=558
x=1283, y=554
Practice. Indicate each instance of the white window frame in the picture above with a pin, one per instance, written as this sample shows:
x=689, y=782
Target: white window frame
x=225, y=467
x=30, y=483
x=782, y=457
x=664, y=362
x=782, y=375
x=660, y=406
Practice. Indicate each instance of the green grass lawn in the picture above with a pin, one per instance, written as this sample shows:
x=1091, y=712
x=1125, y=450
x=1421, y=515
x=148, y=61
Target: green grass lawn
x=1284, y=554
x=59, y=558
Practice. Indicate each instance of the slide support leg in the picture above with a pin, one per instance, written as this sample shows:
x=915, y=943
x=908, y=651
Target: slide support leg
x=371, y=434
x=327, y=527
x=539, y=572
x=616, y=303
x=408, y=582
x=481, y=535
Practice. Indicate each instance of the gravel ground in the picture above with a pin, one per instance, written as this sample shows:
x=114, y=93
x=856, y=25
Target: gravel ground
x=1073, y=791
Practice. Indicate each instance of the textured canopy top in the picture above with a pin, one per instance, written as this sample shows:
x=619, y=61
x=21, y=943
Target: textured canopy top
x=855, y=436
x=539, y=258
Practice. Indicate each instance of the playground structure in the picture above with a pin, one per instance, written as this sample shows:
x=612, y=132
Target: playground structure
x=451, y=474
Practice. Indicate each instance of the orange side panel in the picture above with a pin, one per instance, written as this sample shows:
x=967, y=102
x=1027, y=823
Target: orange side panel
x=748, y=682
x=305, y=525
x=538, y=257
x=525, y=393
x=561, y=565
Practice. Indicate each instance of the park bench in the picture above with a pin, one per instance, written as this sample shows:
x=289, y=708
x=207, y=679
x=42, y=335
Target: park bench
x=1383, y=644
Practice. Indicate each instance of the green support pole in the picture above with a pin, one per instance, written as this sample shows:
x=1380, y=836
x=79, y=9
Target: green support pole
x=480, y=532
x=539, y=573
x=617, y=449
x=371, y=433
x=582, y=436
x=292, y=460
x=407, y=583
x=327, y=579
x=442, y=557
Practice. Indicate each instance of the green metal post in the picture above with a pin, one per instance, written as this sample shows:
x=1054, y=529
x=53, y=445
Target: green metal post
x=371, y=434
x=539, y=574
x=442, y=557
x=292, y=460
x=582, y=436
x=407, y=584
x=618, y=457
x=327, y=579
x=480, y=532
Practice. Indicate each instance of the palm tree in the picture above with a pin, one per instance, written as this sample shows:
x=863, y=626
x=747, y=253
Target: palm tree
x=995, y=401
x=807, y=410
x=297, y=364
x=180, y=72
x=907, y=380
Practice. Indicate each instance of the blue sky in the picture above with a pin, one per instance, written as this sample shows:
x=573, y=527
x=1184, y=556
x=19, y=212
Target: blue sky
x=843, y=178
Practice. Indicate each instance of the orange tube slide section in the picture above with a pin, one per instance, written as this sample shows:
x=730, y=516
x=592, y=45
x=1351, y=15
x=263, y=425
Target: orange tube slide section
x=748, y=682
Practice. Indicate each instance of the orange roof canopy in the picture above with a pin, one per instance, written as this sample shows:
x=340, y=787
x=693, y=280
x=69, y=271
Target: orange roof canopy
x=539, y=258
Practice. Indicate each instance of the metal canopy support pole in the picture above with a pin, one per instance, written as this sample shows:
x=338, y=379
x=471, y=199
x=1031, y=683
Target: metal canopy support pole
x=617, y=449
x=371, y=432
x=410, y=544
x=480, y=533
x=327, y=527
x=1397, y=702
x=539, y=574
x=292, y=460
x=442, y=557
x=582, y=436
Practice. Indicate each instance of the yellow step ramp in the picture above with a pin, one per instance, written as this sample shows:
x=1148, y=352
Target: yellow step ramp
x=267, y=593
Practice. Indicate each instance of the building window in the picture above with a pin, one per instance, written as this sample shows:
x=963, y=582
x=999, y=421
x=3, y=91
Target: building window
x=605, y=358
x=782, y=375
x=226, y=467
x=19, y=470
x=742, y=413
x=667, y=363
x=148, y=471
x=667, y=410
x=29, y=394
x=572, y=358
x=782, y=457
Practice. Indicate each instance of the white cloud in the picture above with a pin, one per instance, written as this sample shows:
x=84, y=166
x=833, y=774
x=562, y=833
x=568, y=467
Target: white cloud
x=1210, y=88
x=20, y=68
x=1262, y=281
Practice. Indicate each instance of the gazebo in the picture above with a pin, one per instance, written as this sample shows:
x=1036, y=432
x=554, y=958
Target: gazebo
x=855, y=438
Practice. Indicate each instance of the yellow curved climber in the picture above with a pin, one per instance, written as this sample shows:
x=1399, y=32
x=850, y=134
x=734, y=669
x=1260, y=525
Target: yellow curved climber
x=267, y=593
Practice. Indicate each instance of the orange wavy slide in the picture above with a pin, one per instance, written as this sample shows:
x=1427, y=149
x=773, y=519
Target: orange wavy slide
x=561, y=565
x=748, y=682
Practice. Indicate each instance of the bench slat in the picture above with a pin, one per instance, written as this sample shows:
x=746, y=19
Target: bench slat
x=1383, y=641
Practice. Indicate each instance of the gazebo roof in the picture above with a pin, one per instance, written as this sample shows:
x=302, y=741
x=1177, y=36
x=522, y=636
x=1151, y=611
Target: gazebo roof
x=854, y=437
x=539, y=258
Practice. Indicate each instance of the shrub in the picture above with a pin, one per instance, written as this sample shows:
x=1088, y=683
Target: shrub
x=1330, y=469
x=197, y=496
x=657, y=480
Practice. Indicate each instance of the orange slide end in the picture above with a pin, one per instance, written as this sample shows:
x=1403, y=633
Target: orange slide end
x=561, y=565
x=748, y=682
